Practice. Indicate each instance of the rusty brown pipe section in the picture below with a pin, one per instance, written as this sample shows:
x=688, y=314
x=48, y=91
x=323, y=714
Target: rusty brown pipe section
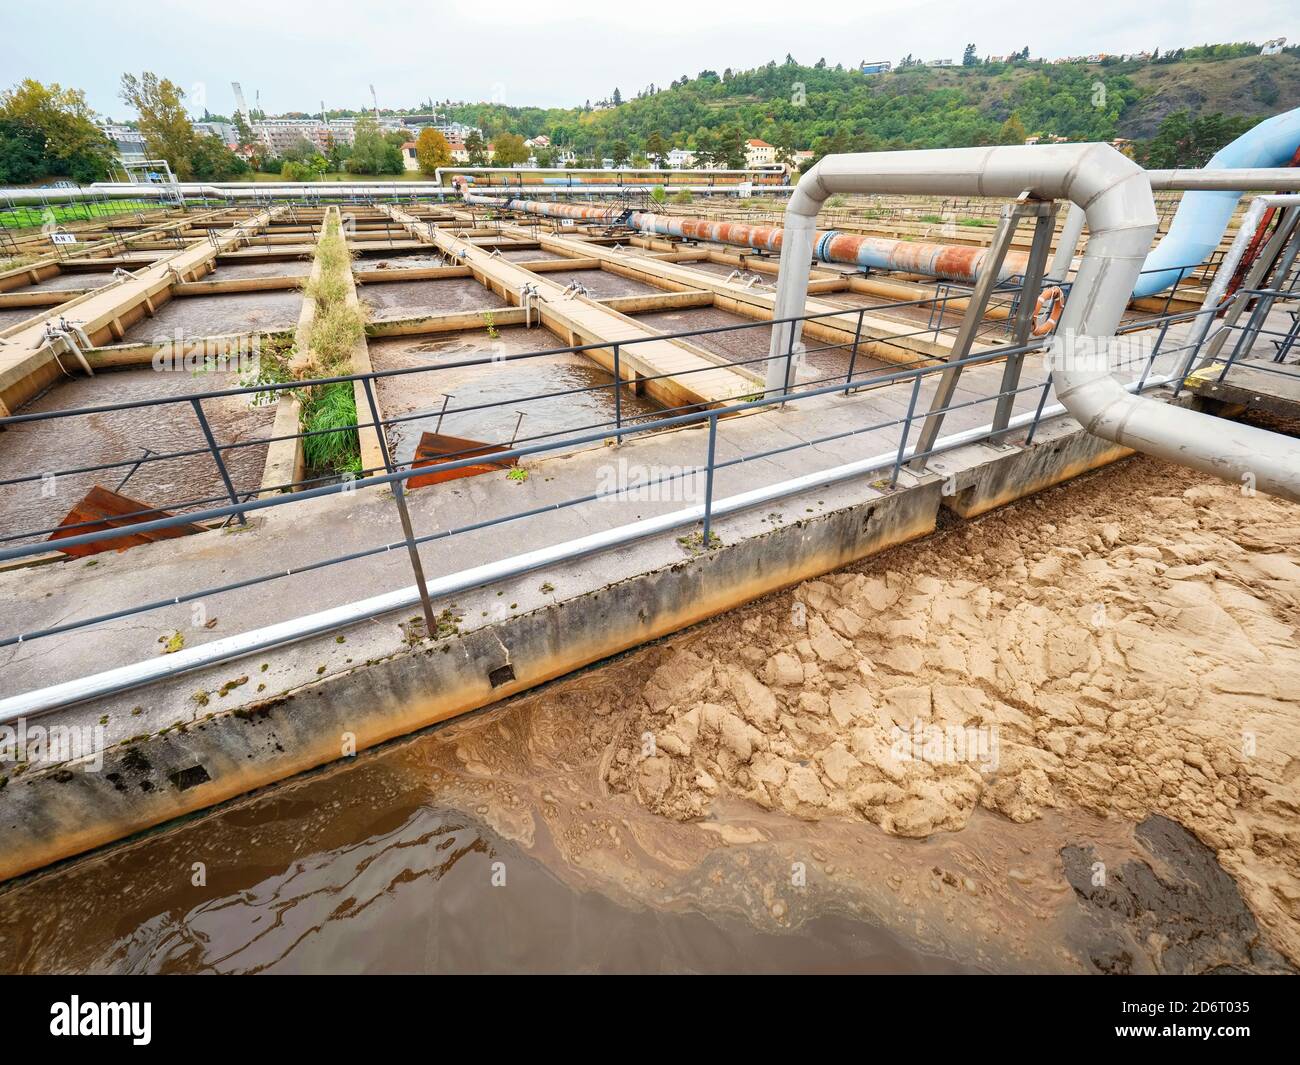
x=946, y=261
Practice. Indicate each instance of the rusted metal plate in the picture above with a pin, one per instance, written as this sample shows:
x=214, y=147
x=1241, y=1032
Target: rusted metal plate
x=439, y=447
x=102, y=508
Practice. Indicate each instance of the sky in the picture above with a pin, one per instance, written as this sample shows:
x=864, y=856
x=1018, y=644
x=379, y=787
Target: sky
x=551, y=53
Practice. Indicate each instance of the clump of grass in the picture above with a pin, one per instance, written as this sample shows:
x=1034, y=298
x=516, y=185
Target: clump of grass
x=339, y=323
x=330, y=412
x=13, y=262
x=684, y=196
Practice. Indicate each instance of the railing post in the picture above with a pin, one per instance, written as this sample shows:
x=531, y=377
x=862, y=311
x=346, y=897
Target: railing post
x=399, y=497
x=1155, y=352
x=1038, y=413
x=976, y=304
x=618, y=397
x=907, y=429
x=1031, y=283
x=708, y=480
x=789, y=362
x=853, y=355
x=216, y=456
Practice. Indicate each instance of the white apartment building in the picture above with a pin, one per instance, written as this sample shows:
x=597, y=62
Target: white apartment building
x=759, y=153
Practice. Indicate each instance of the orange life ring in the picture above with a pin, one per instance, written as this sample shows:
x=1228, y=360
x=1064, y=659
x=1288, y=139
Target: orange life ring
x=1057, y=305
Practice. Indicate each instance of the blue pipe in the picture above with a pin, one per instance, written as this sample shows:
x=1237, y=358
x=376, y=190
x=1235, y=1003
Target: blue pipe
x=1203, y=217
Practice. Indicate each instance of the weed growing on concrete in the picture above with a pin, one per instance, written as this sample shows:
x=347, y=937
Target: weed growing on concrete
x=337, y=327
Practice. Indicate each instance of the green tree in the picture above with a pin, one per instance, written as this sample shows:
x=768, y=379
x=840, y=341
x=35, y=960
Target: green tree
x=293, y=170
x=619, y=153
x=372, y=152
x=167, y=130
x=968, y=57
x=212, y=160
x=1012, y=130
x=1182, y=141
x=22, y=153
x=432, y=151
x=475, y=149
x=657, y=148
x=243, y=131
x=336, y=152
x=57, y=123
x=730, y=148
x=509, y=149
x=164, y=124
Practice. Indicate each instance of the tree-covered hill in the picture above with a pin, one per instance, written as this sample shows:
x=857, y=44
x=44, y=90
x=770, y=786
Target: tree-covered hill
x=834, y=109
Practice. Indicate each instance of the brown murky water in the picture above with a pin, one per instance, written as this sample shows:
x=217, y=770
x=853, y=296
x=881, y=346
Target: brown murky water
x=367, y=872
x=234, y=312
x=822, y=362
x=409, y=299
x=534, y=255
x=13, y=316
x=61, y=282
x=602, y=283
x=122, y=436
x=508, y=383
x=235, y=271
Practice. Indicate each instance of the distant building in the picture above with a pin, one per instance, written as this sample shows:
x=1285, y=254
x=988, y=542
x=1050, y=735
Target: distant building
x=277, y=135
x=938, y=62
x=1273, y=47
x=410, y=160
x=759, y=153
x=128, y=142
x=881, y=67
x=680, y=157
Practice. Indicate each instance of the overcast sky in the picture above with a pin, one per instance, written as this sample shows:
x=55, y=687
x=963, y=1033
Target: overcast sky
x=551, y=52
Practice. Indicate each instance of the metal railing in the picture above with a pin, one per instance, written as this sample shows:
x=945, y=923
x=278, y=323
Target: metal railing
x=853, y=378
x=233, y=503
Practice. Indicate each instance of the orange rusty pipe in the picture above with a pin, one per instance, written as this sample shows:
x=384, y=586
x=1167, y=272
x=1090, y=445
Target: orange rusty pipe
x=946, y=261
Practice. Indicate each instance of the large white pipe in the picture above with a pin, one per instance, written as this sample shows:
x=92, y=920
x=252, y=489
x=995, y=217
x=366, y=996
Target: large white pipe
x=1115, y=195
x=1245, y=179
x=1067, y=244
x=262, y=191
x=559, y=172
